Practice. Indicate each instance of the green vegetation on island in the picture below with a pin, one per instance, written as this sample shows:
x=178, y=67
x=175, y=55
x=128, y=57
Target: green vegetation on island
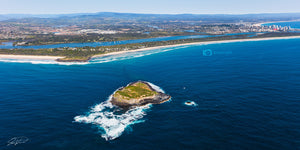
x=137, y=94
x=134, y=91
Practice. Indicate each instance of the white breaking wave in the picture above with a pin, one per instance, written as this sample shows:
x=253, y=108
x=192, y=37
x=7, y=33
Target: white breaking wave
x=130, y=55
x=156, y=88
x=33, y=61
x=111, y=120
x=106, y=117
x=191, y=103
x=106, y=59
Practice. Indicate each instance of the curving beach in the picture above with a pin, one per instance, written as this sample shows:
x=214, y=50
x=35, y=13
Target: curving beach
x=54, y=58
x=196, y=43
x=34, y=57
x=259, y=24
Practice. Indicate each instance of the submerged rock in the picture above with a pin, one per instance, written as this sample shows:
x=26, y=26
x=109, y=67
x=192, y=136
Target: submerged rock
x=138, y=94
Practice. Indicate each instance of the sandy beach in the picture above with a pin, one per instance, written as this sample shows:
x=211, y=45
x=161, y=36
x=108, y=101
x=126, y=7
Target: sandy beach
x=33, y=57
x=37, y=57
x=196, y=43
x=259, y=24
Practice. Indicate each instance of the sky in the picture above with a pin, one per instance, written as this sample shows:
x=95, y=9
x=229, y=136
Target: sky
x=149, y=6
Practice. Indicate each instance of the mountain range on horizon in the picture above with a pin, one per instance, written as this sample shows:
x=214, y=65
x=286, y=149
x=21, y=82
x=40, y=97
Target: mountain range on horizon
x=245, y=17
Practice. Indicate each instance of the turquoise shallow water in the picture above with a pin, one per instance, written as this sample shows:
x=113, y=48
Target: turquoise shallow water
x=9, y=45
x=294, y=24
x=247, y=96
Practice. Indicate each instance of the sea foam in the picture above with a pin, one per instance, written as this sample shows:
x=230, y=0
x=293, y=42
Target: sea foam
x=97, y=60
x=191, y=103
x=130, y=55
x=111, y=120
x=36, y=61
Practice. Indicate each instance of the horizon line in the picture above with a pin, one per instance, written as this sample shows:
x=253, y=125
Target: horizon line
x=151, y=13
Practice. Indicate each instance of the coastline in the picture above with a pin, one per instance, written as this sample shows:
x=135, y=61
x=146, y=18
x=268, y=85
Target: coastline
x=57, y=58
x=33, y=57
x=259, y=24
x=196, y=43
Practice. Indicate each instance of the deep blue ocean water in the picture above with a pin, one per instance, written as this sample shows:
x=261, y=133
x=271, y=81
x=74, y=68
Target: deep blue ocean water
x=247, y=94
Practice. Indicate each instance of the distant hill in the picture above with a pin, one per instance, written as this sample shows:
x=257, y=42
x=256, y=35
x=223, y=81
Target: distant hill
x=110, y=18
x=22, y=16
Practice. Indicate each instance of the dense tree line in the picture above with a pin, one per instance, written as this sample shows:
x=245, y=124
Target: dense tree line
x=44, y=39
x=84, y=53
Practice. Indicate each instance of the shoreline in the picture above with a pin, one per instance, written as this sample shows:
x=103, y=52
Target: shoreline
x=195, y=43
x=56, y=58
x=260, y=24
x=33, y=57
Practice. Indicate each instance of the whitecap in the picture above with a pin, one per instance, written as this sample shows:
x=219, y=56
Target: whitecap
x=190, y=103
x=33, y=61
x=113, y=121
x=106, y=59
x=156, y=88
x=128, y=55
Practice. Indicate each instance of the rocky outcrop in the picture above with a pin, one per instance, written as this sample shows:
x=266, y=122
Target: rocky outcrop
x=157, y=98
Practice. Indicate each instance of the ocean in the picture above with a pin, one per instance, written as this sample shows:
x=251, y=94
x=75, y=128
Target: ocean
x=292, y=24
x=246, y=96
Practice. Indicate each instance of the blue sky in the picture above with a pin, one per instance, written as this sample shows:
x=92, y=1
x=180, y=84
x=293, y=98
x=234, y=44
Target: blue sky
x=149, y=6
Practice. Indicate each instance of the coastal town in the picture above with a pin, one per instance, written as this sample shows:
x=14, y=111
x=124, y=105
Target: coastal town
x=134, y=31
x=22, y=31
x=149, y=75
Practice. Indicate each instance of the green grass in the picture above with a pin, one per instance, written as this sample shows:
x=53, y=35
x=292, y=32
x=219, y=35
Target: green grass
x=137, y=90
x=75, y=58
x=84, y=53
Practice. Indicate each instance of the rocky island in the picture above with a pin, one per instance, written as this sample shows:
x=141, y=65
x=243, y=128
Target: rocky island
x=138, y=94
